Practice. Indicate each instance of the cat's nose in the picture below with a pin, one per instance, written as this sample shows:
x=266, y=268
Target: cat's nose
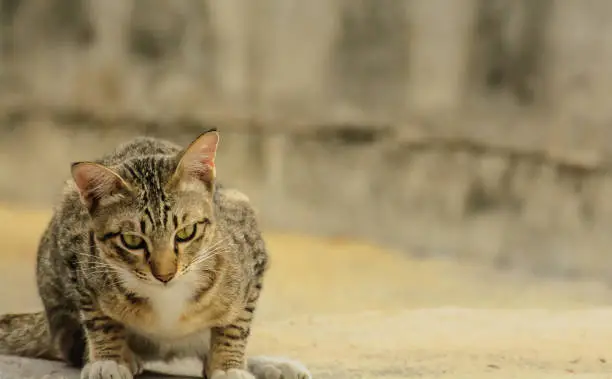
x=163, y=266
x=164, y=277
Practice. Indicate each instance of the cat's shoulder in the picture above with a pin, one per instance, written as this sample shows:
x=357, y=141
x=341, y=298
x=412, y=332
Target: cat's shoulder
x=233, y=203
x=233, y=195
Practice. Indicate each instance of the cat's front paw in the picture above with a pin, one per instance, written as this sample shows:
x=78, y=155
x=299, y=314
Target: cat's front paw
x=231, y=374
x=277, y=368
x=106, y=369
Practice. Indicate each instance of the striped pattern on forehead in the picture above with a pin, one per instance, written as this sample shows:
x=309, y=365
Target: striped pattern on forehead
x=150, y=175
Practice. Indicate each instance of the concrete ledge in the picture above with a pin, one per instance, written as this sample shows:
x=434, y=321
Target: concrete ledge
x=24, y=368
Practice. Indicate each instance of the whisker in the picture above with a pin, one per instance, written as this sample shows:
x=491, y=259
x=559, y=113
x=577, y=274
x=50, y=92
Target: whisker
x=205, y=257
x=209, y=251
x=209, y=254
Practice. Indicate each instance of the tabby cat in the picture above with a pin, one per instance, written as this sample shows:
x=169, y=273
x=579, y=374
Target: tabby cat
x=148, y=258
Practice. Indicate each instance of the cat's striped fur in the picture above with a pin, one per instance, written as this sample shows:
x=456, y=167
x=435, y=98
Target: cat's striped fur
x=120, y=287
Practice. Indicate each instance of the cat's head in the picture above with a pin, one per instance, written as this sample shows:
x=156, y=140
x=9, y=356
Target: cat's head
x=153, y=215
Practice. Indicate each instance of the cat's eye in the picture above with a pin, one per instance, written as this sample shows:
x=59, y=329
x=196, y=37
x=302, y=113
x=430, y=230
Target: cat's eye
x=187, y=233
x=132, y=241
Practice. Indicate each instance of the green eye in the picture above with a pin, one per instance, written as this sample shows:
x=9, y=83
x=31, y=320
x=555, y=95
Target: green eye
x=132, y=241
x=186, y=234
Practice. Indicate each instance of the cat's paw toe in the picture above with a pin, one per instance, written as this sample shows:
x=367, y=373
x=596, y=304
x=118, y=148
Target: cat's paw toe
x=232, y=374
x=106, y=369
x=136, y=366
x=278, y=368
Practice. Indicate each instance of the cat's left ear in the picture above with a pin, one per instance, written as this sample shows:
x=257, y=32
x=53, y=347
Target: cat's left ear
x=197, y=161
x=96, y=183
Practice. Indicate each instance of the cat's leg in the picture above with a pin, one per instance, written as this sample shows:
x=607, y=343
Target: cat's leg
x=108, y=353
x=226, y=358
x=67, y=336
x=267, y=367
x=65, y=332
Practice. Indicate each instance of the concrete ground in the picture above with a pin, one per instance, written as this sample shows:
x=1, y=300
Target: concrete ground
x=350, y=310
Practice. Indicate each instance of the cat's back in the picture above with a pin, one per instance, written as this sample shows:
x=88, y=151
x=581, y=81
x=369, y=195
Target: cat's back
x=139, y=147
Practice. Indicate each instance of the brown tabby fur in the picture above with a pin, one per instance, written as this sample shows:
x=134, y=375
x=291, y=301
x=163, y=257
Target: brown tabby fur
x=109, y=307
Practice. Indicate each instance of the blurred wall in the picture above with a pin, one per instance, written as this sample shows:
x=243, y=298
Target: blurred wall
x=476, y=129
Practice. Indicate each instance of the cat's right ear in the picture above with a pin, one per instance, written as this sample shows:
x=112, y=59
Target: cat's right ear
x=197, y=161
x=96, y=182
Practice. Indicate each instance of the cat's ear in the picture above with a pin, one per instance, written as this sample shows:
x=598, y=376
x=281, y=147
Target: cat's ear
x=197, y=161
x=96, y=182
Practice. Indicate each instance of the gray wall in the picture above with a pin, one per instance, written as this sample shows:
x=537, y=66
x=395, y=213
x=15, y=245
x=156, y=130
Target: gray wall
x=476, y=129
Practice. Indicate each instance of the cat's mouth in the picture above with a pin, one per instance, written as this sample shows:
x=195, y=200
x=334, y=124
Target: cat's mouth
x=138, y=279
x=166, y=282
